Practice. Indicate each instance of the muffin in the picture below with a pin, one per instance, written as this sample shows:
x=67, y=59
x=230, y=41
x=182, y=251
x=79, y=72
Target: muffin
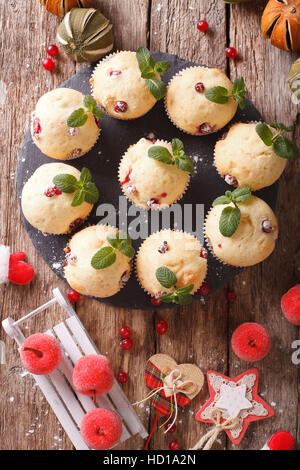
x=189, y=109
x=47, y=208
x=49, y=129
x=118, y=87
x=80, y=273
x=178, y=251
x=147, y=182
x=252, y=242
x=242, y=158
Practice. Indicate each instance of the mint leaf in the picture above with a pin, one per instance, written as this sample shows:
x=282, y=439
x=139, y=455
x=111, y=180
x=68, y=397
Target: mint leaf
x=91, y=193
x=285, y=148
x=165, y=277
x=156, y=87
x=78, y=118
x=217, y=94
x=79, y=198
x=104, y=258
x=98, y=113
x=185, y=290
x=266, y=135
x=238, y=92
x=281, y=127
x=229, y=221
x=127, y=251
x=183, y=299
x=144, y=58
x=65, y=183
x=185, y=163
x=121, y=242
x=89, y=103
x=167, y=298
x=161, y=154
x=241, y=194
x=85, y=175
x=177, y=147
x=162, y=67
x=148, y=72
x=222, y=200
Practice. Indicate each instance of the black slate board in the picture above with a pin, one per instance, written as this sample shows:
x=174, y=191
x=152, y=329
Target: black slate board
x=103, y=161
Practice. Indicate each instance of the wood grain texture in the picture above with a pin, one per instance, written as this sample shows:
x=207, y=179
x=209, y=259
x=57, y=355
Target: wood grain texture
x=199, y=333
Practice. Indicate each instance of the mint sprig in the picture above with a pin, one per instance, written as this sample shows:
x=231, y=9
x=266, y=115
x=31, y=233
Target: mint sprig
x=220, y=95
x=231, y=216
x=281, y=145
x=149, y=71
x=79, y=117
x=179, y=158
x=107, y=255
x=84, y=189
x=167, y=279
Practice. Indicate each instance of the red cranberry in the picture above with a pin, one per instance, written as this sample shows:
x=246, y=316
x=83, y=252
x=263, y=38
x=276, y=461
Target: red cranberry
x=266, y=226
x=156, y=301
x=73, y=296
x=48, y=64
x=224, y=135
x=205, y=128
x=52, y=191
x=203, y=253
x=231, y=52
x=125, y=332
x=152, y=203
x=204, y=289
x=199, y=87
x=161, y=327
x=163, y=248
x=127, y=177
x=52, y=50
x=114, y=73
x=127, y=344
x=174, y=445
x=73, y=131
x=202, y=25
x=75, y=153
x=230, y=296
x=122, y=377
x=172, y=428
x=75, y=224
x=36, y=127
x=231, y=180
x=120, y=107
x=125, y=278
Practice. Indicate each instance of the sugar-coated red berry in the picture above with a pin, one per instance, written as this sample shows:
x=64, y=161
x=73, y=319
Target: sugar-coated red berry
x=73, y=296
x=230, y=296
x=204, y=289
x=120, y=107
x=48, y=64
x=155, y=301
x=40, y=354
x=125, y=332
x=281, y=440
x=52, y=50
x=101, y=429
x=127, y=344
x=251, y=342
x=202, y=25
x=174, y=445
x=172, y=428
x=93, y=375
x=199, y=87
x=231, y=52
x=122, y=377
x=162, y=327
x=290, y=305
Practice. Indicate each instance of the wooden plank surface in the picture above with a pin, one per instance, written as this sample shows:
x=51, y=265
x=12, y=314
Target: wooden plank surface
x=199, y=333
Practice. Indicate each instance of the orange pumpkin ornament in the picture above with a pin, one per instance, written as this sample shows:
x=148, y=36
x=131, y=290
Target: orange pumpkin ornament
x=61, y=7
x=281, y=23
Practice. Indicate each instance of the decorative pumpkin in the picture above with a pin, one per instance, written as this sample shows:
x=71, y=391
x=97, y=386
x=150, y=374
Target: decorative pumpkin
x=294, y=78
x=85, y=35
x=281, y=23
x=61, y=7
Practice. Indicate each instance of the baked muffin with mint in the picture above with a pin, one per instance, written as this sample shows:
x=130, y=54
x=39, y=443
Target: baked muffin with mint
x=65, y=123
x=98, y=261
x=128, y=84
x=241, y=229
x=243, y=158
x=171, y=266
x=57, y=198
x=155, y=174
x=202, y=100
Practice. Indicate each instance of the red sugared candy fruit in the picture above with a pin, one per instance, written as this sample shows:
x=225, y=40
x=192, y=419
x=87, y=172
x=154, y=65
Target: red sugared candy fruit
x=127, y=344
x=281, y=440
x=40, y=354
x=52, y=50
x=161, y=327
x=230, y=296
x=101, y=429
x=251, y=342
x=156, y=301
x=48, y=64
x=204, y=289
x=174, y=445
x=290, y=305
x=73, y=296
x=125, y=332
x=172, y=428
x=122, y=377
x=231, y=52
x=202, y=25
x=93, y=375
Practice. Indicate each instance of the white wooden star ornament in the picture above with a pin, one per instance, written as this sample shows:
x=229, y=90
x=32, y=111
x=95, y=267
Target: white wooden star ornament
x=233, y=399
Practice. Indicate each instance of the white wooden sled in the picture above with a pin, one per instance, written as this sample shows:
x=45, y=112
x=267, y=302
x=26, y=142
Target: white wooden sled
x=68, y=405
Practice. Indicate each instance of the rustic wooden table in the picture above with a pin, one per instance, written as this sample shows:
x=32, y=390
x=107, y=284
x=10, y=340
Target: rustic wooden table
x=199, y=333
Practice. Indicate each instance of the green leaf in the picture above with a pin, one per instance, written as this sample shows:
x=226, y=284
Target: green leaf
x=185, y=290
x=238, y=92
x=162, y=67
x=241, y=194
x=285, y=148
x=185, y=163
x=78, y=198
x=65, y=183
x=229, y=221
x=167, y=298
x=217, y=94
x=98, y=113
x=104, y=258
x=177, y=146
x=161, y=154
x=183, y=299
x=240, y=100
x=89, y=103
x=148, y=72
x=222, y=200
x=144, y=58
x=127, y=251
x=91, y=193
x=281, y=127
x=85, y=175
x=156, y=87
x=78, y=118
x=264, y=133
x=165, y=277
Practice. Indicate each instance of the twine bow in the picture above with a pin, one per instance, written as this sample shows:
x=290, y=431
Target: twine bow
x=206, y=441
